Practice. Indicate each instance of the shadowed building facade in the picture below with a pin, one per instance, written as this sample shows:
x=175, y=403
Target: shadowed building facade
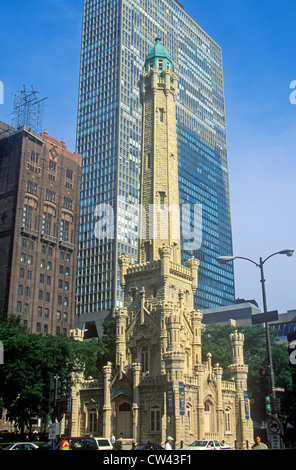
x=39, y=201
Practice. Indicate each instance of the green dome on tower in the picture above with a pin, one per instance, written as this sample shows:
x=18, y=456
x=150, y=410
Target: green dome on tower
x=158, y=56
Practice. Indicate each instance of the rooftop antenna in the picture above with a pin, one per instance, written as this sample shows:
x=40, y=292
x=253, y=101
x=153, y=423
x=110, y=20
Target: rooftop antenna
x=28, y=110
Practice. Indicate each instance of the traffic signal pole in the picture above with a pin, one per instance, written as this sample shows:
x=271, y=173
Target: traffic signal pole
x=56, y=379
x=288, y=252
x=277, y=441
x=267, y=332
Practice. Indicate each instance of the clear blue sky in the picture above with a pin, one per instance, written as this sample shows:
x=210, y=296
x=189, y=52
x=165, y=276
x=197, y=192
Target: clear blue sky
x=40, y=46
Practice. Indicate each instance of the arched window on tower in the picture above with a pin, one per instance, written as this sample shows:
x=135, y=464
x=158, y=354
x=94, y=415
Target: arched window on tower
x=93, y=421
x=228, y=420
x=189, y=418
x=145, y=359
x=208, y=417
x=125, y=406
x=154, y=418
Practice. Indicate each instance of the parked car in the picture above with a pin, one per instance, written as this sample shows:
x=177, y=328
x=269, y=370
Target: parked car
x=148, y=446
x=75, y=443
x=103, y=443
x=83, y=443
x=47, y=445
x=204, y=444
x=21, y=446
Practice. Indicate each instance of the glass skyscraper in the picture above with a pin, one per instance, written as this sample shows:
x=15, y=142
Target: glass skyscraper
x=116, y=37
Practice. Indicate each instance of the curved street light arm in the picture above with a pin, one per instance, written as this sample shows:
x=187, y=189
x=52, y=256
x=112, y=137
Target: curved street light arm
x=248, y=259
x=273, y=254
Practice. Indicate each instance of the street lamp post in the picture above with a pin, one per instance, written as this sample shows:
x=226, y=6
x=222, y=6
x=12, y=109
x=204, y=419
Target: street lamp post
x=226, y=259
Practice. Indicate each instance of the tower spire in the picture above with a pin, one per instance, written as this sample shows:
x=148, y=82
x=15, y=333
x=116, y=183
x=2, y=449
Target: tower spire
x=160, y=218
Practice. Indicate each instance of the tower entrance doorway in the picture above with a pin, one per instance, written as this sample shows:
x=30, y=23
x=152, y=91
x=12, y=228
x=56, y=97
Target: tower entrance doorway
x=124, y=421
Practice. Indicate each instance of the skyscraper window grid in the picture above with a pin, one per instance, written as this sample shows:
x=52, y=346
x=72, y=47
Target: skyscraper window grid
x=115, y=39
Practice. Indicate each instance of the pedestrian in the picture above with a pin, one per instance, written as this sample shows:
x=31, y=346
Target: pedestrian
x=168, y=445
x=64, y=444
x=259, y=445
x=112, y=439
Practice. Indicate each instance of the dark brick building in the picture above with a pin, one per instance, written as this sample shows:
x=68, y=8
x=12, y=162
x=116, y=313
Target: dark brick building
x=39, y=204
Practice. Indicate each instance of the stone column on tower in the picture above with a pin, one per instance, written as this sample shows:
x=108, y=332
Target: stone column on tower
x=239, y=372
x=107, y=400
x=121, y=322
x=136, y=401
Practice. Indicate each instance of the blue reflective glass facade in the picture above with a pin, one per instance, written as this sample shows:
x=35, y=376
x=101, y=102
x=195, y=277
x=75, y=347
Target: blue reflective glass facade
x=116, y=37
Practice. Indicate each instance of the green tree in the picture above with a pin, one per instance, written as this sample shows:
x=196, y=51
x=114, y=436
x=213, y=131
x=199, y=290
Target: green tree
x=31, y=359
x=107, y=344
x=215, y=339
x=285, y=378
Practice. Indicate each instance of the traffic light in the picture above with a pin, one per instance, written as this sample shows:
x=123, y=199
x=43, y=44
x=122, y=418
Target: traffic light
x=264, y=382
x=263, y=373
x=264, y=391
x=268, y=405
x=64, y=388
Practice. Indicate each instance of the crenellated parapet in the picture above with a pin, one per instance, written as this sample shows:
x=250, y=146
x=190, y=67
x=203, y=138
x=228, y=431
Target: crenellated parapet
x=193, y=265
x=77, y=334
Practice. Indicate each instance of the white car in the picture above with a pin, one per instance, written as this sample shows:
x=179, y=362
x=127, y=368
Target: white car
x=103, y=443
x=21, y=446
x=204, y=444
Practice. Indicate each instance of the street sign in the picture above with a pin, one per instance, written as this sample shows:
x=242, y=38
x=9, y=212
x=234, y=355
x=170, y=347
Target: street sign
x=276, y=406
x=274, y=426
x=275, y=441
x=274, y=430
x=265, y=317
x=53, y=431
x=279, y=389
